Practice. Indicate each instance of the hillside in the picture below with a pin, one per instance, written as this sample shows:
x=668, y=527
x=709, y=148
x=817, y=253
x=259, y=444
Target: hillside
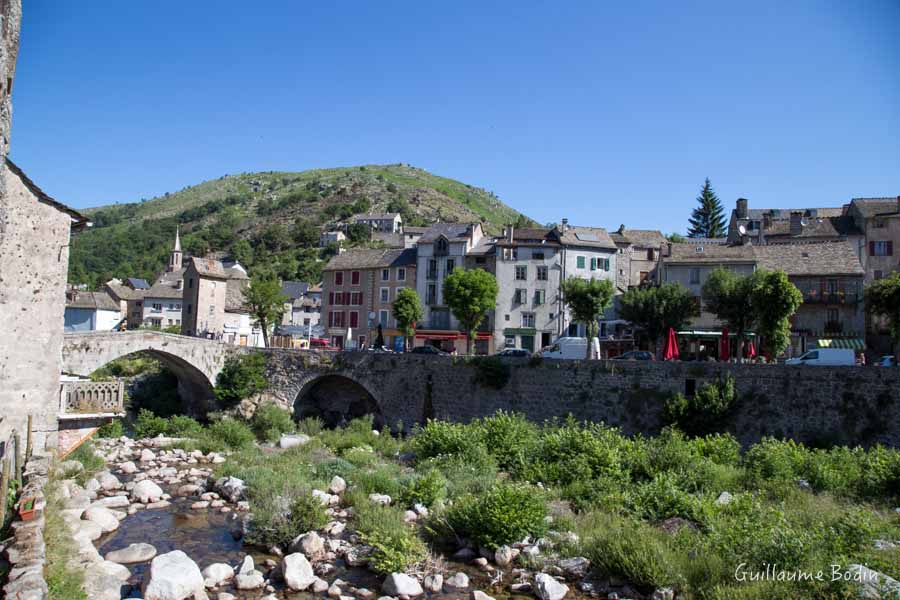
x=270, y=220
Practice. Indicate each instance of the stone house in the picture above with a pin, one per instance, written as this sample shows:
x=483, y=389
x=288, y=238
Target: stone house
x=638, y=256
x=383, y=222
x=304, y=305
x=440, y=250
x=879, y=219
x=205, y=290
x=238, y=325
x=91, y=311
x=130, y=296
x=587, y=253
x=162, y=303
x=331, y=237
x=358, y=289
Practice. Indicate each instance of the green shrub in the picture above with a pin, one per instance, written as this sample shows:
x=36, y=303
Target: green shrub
x=774, y=460
x=181, y=425
x=113, y=429
x=278, y=519
x=439, y=438
x=241, y=377
x=270, y=421
x=378, y=479
x=706, y=411
x=148, y=424
x=89, y=459
x=232, y=433
x=505, y=514
x=311, y=426
x=880, y=473
x=472, y=473
x=425, y=489
x=396, y=544
x=510, y=438
x=572, y=452
x=336, y=466
x=661, y=498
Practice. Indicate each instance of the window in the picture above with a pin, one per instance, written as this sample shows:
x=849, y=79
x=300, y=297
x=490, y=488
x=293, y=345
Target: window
x=432, y=268
x=884, y=248
x=521, y=296
x=157, y=306
x=336, y=319
x=441, y=246
x=528, y=320
x=579, y=262
x=338, y=278
x=521, y=272
x=643, y=276
x=431, y=294
x=509, y=341
x=878, y=275
x=603, y=263
x=383, y=318
x=305, y=322
x=450, y=264
x=354, y=318
x=542, y=272
x=540, y=297
x=212, y=309
x=879, y=224
x=538, y=255
x=385, y=294
x=650, y=256
x=401, y=274
x=354, y=278
x=480, y=260
x=190, y=283
x=593, y=264
x=695, y=275
x=510, y=253
x=385, y=274
x=190, y=308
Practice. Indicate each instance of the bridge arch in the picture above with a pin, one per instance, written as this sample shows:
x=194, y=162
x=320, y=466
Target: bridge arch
x=337, y=399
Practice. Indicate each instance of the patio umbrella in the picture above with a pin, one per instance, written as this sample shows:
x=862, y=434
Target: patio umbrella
x=751, y=350
x=671, y=351
x=724, y=346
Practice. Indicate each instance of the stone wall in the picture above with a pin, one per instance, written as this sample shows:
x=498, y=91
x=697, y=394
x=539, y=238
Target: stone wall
x=849, y=405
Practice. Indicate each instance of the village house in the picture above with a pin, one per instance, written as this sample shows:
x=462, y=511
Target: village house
x=91, y=311
x=383, y=222
x=162, y=303
x=358, y=290
x=304, y=304
x=214, y=303
x=638, y=256
x=130, y=296
x=331, y=237
x=879, y=220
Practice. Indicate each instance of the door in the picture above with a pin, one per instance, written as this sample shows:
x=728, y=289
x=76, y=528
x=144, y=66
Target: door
x=528, y=342
x=545, y=339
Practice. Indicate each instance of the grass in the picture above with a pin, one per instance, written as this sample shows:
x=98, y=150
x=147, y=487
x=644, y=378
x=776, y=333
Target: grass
x=63, y=581
x=89, y=460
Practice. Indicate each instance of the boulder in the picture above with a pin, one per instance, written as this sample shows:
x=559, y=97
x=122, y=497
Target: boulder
x=548, y=588
x=128, y=467
x=173, y=576
x=292, y=440
x=576, y=567
x=298, y=573
x=433, y=582
x=146, y=491
x=230, y=488
x=724, y=498
x=147, y=455
x=382, y=499
x=401, y=584
x=458, y=581
x=90, y=529
x=479, y=595
x=337, y=485
x=112, y=502
x=503, y=556
x=114, y=570
x=310, y=544
x=871, y=583
x=217, y=573
x=358, y=556
x=248, y=578
x=108, y=481
x=91, y=486
x=663, y=594
x=102, y=517
x=133, y=553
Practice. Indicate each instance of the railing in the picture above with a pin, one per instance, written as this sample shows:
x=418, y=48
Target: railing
x=830, y=297
x=82, y=398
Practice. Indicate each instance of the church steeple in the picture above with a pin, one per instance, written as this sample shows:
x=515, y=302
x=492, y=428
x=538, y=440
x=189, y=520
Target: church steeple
x=175, y=258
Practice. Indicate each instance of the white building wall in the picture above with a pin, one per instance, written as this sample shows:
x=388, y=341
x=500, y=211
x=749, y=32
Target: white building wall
x=572, y=267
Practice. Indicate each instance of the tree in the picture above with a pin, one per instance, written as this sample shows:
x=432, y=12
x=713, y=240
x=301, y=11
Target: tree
x=305, y=234
x=775, y=300
x=883, y=299
x=241, y=377
x=730, y=297
x=587, y=299
x=708, y=219
x=407, y=311
x=358, y=233
x=266, y=303
x=657, y=309
x=242, y=252
x=470, y=295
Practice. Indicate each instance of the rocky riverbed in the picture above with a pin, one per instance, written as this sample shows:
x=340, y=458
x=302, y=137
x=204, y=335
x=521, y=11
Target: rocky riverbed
x=157, y=524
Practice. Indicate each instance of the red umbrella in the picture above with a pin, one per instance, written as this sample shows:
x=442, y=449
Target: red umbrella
x=724, y=346
x=751, y=350
x=671, y=352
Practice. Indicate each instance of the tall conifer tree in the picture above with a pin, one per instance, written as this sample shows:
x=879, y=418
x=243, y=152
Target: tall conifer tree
x=708, y=219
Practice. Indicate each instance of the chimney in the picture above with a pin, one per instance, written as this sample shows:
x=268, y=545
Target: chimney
x=741, y=208
x=796, y=222
x=668, y=248
x=565, y=225
x=509, y=232
x=898, y=204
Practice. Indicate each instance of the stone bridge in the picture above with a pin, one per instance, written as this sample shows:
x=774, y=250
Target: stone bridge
x=812, y=404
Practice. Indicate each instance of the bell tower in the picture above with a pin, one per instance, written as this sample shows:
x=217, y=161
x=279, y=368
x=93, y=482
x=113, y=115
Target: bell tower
x=175, y=258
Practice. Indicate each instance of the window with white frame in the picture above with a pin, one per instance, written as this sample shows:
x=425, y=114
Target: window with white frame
x=383, y=318
x=385, y=294
x=543, y=272
x=385, y=274
x=521, y=272
x=528, y=320
x=540, y=297
x=401, y=274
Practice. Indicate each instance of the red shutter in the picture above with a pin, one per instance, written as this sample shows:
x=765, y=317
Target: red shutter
x=354, y=319
x=330, y=297
x=890, y=248
x=354, y=278
x=871, y=248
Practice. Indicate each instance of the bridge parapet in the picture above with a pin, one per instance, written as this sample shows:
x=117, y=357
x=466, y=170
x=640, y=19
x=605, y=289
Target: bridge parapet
x=91, y=399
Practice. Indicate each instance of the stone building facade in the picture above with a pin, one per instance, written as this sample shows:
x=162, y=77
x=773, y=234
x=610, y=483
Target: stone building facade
x=205, y=291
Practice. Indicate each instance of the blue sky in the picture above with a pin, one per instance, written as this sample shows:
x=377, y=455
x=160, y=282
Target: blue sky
x=605, y=113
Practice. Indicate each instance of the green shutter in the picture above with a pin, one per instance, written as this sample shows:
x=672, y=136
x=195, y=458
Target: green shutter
x=580, y=262
x=593, y=264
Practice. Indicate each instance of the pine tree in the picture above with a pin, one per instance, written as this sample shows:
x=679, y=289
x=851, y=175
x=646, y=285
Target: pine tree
x=708, y=219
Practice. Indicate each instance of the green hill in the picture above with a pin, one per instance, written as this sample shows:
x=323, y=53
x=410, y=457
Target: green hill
x=270, y=220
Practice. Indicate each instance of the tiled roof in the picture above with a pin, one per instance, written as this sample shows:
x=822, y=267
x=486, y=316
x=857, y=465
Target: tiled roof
x=407, y=229
x=757, y=214
x=92, y=300
x=78, y=219
x=167, y=285
x=870, y=207
x=814, y=258
x=372, y=258
x=483, y=247
x=592, y=237
x=645, y=238
x=294, y=289
x=374, y=216
x=815, y=227
x=526, y=235
x=123, y=292
x=450, y=231
x=710, y=253
x=209, y=267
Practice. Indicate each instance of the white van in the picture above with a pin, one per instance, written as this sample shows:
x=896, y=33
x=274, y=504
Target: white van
x=825, y=356
x=568, y=348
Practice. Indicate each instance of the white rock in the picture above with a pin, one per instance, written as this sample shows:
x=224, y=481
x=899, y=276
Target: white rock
x=310, y=544
x=298, y=573
x=292, y=440
x=92, y=485
x=503, y=556
x=173, y=576
x=146, y=491
x=724, y=498
x=248, y=578
x=115, y=570
x=90, y=529
x=230, y=488
x=111, y=502
x=133, y=553
x=128, y=467
x=337, y=485
x=401, y=584
x=102, y=517
x=433, y=582
x=108, y=481
x=458, y=581
x=410, y=516
x=217, y=573
x=872, y=584
x=324, y=498
x=382, y=499
x=319, y=586
x=548, y=588
x=479, y=595
x=147, y=455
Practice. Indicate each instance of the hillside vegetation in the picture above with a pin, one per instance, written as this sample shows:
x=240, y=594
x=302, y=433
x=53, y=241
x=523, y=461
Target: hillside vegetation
x=270, y=220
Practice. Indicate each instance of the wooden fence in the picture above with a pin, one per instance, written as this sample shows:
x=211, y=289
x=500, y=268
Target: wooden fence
x=12, y=461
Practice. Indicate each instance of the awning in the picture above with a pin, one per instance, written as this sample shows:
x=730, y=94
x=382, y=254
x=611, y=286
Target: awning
x=711, y=333
x=851, y=343
x=520, y=331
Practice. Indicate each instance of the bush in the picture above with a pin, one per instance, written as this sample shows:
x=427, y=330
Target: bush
x=113, y=429
x=439, y=438
x=423, y=489
x=232, y=433
x=510, y=438
x=706, y=411
x=270, y=421
x=774, y=460
x=277, y=520
x=571, y=452
x=148, y=424
x=241, y=377
x=661, y=499
x=505, y=514
x=311, y=426
x=395, y=542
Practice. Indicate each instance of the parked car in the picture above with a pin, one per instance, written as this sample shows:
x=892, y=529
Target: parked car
x=515, y=352
x=567, y=348
x=426, y=350
x=886, y=361
x=635, y=355
x=825, y=356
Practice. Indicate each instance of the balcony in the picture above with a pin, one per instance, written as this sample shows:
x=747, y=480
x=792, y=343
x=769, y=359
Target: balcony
x=839, y=296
